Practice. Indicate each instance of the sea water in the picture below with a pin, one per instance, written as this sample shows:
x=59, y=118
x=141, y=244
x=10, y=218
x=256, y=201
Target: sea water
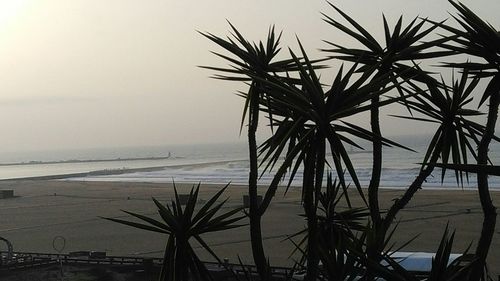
x=218, y=163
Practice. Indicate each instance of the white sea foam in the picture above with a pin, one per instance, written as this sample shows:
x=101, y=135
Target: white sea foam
x=223, y=163
x=237, y=173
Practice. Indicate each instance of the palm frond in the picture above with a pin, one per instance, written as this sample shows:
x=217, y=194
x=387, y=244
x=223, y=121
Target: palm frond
x=182, y=224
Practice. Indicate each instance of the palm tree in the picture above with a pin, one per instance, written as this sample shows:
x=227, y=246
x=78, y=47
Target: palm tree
x=248, y=61
x=480, y=39
x=402, y=45
x=442, y=269
x=307, y=119
x=456, y=135
x=337, y=239
x=181, y=225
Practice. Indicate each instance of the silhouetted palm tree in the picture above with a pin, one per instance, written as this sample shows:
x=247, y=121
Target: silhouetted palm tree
x=480, y=39
x=247, y=62
x=180, y=262
x=402, y=45
x=456, y=135
x=309, y=118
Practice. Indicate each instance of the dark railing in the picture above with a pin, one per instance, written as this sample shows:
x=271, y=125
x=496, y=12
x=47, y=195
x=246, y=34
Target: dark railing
x=23, y=260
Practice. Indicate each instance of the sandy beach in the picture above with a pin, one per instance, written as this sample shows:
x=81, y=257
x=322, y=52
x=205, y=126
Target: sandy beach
x=43, y=210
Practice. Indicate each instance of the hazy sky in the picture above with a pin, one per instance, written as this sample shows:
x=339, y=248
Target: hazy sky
x=85, y=73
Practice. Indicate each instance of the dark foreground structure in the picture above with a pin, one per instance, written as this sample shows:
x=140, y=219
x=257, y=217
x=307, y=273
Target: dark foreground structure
x=95, y=266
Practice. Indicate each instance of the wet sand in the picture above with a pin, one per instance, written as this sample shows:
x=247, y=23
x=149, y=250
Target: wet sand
x=45, y=209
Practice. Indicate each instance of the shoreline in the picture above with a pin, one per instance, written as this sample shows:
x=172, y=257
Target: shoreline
x=80, y=177
x=242, y=185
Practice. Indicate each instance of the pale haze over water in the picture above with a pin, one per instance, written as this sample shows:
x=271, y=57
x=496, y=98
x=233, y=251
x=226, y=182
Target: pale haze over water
x=83, y=74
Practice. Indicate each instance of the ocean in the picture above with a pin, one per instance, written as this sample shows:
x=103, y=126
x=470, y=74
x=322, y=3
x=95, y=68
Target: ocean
x=212, y=163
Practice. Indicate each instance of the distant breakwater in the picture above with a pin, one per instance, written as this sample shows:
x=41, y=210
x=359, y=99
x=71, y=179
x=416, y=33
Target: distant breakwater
x=118, y=171
x=106, y=172
x=72, y=161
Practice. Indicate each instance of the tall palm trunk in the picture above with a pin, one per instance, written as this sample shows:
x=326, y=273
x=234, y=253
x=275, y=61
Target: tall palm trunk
x=373, y=187
x=254, y=214
x=308, y=189
x=489, y=209
x=166, y=270
x=373, y=249
x=182, y=259
x=377, y=162
x=380, y=229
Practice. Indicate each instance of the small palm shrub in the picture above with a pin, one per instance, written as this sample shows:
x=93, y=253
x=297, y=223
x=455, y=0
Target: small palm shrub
x=180, y=262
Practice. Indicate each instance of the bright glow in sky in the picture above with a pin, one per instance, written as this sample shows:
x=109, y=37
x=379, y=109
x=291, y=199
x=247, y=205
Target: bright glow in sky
x=10, y=10
x=88, y=73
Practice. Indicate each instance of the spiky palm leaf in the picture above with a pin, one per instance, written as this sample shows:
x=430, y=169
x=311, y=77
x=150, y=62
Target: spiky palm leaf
x=182, y=225
x=402, y=44
x=457, y=135
x=441, y=269
x=346, y=221
x=337, y=236
x=305, y=112
x=492, y=170
x=337, y=256
x=248, y=60
x=479, y=39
